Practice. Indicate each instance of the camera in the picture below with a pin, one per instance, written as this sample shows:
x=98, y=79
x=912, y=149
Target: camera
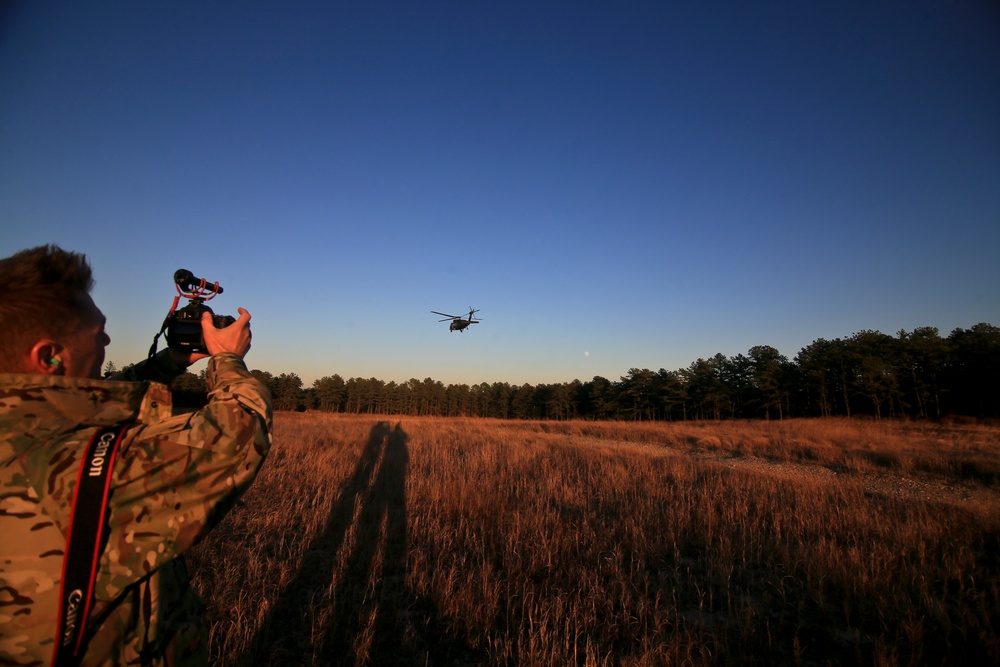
x=184, y=328
x=183, y=325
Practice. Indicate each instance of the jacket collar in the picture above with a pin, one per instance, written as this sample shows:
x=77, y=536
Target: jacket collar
x=42, y=404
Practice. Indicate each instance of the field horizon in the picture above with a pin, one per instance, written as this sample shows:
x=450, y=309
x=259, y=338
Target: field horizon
x=374, y=540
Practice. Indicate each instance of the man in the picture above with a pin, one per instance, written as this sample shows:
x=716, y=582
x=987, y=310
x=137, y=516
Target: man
x=173, y=480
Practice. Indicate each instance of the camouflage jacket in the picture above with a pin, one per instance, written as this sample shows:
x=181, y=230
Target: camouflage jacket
x=174, y=479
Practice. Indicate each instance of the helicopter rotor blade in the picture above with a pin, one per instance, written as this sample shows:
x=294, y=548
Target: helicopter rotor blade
x=451, y=317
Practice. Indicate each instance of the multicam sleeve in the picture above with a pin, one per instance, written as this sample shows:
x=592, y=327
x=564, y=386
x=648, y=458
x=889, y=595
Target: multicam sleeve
x=179, y=477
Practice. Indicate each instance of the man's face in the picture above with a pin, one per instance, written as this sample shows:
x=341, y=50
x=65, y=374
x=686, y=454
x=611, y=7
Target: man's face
x=83, y=355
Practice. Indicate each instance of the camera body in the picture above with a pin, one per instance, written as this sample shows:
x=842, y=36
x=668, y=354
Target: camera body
x=184, y=326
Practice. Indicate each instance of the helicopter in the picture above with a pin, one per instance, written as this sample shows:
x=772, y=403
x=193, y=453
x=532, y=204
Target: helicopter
x=458, y=322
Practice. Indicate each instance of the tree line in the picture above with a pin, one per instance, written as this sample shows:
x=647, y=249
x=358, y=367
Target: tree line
x=916, y=374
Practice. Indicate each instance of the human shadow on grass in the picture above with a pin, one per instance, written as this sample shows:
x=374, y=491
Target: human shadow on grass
x=369, y=616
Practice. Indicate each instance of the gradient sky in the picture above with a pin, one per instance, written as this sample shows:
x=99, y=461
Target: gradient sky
x=613, y=184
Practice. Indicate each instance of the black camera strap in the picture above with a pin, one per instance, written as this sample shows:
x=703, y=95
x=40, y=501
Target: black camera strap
x=166, y=321
x=88, y=517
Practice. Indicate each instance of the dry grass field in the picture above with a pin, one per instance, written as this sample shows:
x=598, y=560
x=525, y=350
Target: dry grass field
x=431, y=541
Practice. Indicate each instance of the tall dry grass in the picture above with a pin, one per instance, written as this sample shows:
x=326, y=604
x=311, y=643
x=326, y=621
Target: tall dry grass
x=481, y=542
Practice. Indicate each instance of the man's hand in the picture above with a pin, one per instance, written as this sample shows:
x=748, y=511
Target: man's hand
x=235, y=338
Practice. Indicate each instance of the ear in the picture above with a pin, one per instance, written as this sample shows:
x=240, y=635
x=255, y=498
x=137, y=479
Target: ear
x=44, y=358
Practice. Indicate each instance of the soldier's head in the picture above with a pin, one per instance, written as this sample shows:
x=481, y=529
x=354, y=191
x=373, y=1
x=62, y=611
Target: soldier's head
x=48, y=321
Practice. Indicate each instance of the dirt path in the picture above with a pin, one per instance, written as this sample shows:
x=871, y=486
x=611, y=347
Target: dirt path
x=916, y=487
x=919, y=486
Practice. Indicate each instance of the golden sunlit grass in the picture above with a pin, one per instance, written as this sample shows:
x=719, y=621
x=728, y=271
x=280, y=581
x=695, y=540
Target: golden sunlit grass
x=482, y=542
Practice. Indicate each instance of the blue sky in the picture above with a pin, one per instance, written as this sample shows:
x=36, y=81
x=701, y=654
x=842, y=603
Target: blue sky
x=613, y=185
